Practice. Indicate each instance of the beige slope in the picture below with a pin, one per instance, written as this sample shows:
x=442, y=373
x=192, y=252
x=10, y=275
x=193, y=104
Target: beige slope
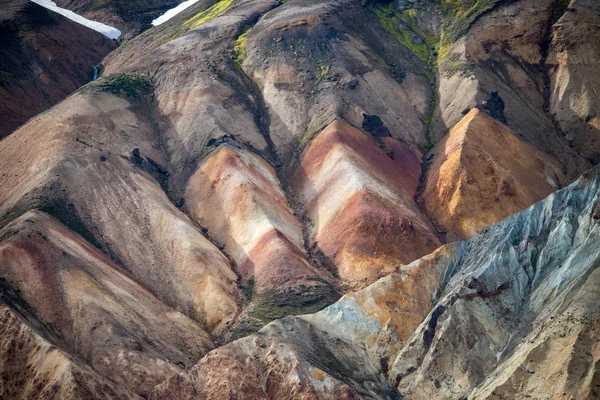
x=199, y=95
x=76, y=162
x=100, y=314
x=33, y=368
x=481, y=173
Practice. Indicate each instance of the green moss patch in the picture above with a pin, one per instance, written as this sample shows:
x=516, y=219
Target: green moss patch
x=459, y=15
x=210, y=13
x=268, y=306
x=131, y=86
x=400, y=28
x=455, y=66
x=239, y=49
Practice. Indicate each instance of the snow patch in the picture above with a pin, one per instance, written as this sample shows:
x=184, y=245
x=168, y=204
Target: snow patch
x=173, y=12
x=108, y=31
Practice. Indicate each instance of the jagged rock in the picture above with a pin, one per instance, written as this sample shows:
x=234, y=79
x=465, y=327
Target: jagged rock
x=495, y=106
x=374, y=125
x=573, y=64
x=137, y=159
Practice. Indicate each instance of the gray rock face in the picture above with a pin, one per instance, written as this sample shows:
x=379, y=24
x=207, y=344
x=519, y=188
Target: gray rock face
x=509, y=290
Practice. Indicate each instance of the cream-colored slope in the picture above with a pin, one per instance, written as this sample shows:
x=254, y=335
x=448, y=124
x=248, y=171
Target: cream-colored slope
x=33, y=368
x=359, y=201
x=76, y=161
x=236, y=195
x=100, y=314
x=481, y=173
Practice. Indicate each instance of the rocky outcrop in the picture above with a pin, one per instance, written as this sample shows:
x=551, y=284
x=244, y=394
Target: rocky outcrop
x=499, y=306
x=491, y=317
x=506, y=51
x=43, y=58
x=481, y=173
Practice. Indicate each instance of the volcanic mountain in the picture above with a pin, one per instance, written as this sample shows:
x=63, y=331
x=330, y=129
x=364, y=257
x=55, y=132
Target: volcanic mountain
x=322, y=199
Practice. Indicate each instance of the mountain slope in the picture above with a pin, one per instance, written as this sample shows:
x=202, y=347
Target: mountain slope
x=33, y=368
x=500, y=314
x=131, y=17
x=43, y=58
x=252, y=160
x=481, y=173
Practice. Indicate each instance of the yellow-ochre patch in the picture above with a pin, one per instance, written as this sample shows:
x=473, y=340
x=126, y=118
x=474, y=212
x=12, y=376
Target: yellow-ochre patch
x=239, y=49
x=212, y=12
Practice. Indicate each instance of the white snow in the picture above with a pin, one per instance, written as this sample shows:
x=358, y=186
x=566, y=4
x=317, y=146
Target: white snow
x=173, y=12
x=108, y=31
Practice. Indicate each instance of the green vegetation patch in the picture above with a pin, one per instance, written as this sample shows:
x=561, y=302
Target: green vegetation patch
x=132, y=86
x=239, y=49
x=212, y=12
x=455, y=66
x=399, y=27
x=246, y=327
x=248, y=288
x=324, y=72
x=459, y=15
x=268, y=306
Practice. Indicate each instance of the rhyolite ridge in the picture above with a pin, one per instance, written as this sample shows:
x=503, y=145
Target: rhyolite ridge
x=511, y=313
x=310, y=199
